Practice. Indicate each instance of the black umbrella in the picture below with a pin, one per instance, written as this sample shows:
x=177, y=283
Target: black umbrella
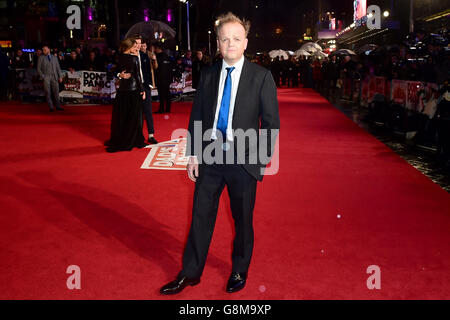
x=152, y=30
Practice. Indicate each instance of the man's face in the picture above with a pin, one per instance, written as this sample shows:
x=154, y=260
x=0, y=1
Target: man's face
x=199, y=55
x=138, y=44
x=144, y=47
x=232, y=42
x=73, y=55
x=46, y=50
x=135, y=49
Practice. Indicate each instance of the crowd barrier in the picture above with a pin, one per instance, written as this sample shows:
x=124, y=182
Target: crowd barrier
x=416, y=96
x=84, y=84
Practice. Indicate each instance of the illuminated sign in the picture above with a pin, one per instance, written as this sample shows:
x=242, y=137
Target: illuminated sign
x=332, y=25
x=359, y=9
x=5, y=44
x=74, y=20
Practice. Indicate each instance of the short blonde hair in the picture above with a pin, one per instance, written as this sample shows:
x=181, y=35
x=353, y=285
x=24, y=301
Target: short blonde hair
x=230, y=17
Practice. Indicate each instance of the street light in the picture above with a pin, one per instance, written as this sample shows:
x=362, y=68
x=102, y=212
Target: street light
x=187, y=23
x=386, y=14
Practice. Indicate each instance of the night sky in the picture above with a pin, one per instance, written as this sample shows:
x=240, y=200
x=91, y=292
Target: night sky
x=292, y=16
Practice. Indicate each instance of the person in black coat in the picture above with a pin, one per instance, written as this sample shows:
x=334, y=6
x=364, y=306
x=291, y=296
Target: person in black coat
x=164, y=77
x=145, y=63
x=4, y=69
x=126, y=120
x=73, y=63
x=199, y=63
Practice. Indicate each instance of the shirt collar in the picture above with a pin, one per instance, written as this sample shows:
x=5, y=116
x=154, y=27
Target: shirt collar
x=237, y=66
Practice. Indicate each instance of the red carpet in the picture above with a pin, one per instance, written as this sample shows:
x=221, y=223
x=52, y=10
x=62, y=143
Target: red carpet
x=64, y=201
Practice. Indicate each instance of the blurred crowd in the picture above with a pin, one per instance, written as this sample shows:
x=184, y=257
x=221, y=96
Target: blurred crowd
x=421, y=57
x=94, y=59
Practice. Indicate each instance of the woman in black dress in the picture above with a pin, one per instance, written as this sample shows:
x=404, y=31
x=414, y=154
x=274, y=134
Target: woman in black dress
x=126, y=120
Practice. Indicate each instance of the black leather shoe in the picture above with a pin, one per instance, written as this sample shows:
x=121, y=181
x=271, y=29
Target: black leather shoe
x=179, y=284
x=152, y=140
x=60, y=109
x=51, y=109
x=236, y=282
x=142, y=145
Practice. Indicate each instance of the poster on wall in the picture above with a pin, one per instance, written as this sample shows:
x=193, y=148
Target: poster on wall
x=359, y=9
x=72, y=84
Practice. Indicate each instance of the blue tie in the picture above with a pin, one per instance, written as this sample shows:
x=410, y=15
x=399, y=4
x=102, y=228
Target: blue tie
x=222, y=122
x=48, y=57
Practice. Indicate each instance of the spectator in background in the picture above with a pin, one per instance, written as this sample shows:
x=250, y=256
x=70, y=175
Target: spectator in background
x=62, y=60
x=49, y=70
x=428, y=71
x=283, y=70
x=164, y=77
x=200, y=62
x=73, y=62
x=80, y=53
x=20, y=61
x=92, y=63
x=178, y=69
x=36, y=56
x=4, y=68
x=187, y=61
x=276, y=70
x=108, y=60
x=332, y=75
x=317, y=74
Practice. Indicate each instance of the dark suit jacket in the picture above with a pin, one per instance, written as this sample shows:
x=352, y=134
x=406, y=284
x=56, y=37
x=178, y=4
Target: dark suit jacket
x=146, y=70
x=256, y=107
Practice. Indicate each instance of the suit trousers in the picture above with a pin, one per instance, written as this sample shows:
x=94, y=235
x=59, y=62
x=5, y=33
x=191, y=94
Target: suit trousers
x=147, y=106
x=210, y=183
x=164, y=97
x=51, y=89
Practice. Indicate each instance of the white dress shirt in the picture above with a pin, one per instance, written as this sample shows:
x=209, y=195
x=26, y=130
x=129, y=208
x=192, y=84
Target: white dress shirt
x=140, y=66
x=235, y=76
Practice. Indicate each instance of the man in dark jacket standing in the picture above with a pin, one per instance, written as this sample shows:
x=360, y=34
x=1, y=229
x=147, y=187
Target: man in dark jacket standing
x=164, y=77
x=200, y=62
x=145, y=62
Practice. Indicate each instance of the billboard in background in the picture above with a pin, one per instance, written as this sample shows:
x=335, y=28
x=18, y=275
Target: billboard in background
x=359, y=9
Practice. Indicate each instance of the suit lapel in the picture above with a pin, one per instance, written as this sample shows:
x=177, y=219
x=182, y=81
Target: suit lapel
x=215, y=87
x=244, y=82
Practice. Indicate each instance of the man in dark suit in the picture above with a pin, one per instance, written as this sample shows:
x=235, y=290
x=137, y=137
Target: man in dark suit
x=145, y=63
x=49, y=70
x=233, y=96
x=164, y=77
